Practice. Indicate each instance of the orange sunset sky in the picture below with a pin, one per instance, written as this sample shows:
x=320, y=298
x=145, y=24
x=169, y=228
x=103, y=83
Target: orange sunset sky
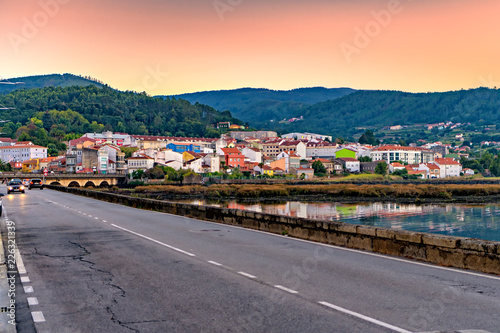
x=178, y=46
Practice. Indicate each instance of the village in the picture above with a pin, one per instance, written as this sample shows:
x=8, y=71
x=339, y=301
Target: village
x=246, y=153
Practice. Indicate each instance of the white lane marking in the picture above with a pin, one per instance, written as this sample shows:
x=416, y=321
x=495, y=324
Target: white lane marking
x=214, y=263
x=28, y=289
x=38, y=316
x=291, y=291
x=154, y=240
x=19, y=261
x=363, y=317
x=247, y=275
x=89, y=215
x=104, y=221
x=96, y=218
x=25, y=279
x=32, y=301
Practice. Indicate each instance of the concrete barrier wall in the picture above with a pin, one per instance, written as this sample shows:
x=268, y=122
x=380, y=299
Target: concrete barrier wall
x=459, y=252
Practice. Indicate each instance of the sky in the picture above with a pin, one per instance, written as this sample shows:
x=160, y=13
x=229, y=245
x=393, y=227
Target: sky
x=166, y=47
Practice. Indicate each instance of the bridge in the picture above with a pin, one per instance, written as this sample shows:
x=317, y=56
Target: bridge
x=73, y=180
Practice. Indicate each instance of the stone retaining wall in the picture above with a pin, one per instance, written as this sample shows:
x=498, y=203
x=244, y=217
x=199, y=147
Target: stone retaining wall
x=459, y=252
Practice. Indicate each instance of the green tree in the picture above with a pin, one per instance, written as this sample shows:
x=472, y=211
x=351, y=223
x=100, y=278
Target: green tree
x=381, y=168
x=368, y=138
x=319, y=168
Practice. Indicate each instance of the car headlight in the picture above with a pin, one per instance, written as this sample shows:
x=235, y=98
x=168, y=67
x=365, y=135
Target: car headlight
x=10, y=188
x=22, y=187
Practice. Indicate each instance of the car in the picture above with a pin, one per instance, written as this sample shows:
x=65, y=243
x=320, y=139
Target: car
x=36, y=183
x=14, y=185
x=1, y=205
x=26, y=182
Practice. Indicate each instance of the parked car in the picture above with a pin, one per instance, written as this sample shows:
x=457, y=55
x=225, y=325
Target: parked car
x=14, y=185
x=36, y=183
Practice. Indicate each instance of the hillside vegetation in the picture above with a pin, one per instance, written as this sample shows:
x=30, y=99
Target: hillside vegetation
x=51, y=80
x=259, y=106
x=55, y=113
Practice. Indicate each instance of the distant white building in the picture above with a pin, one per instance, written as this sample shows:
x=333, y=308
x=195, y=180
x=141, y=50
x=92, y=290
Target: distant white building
x=22, y=152
x=307, y=136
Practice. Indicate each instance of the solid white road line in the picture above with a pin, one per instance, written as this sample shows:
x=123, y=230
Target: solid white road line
x=247, y=275
x=38, y=316
x=32, y=301
x=154, y=240
x=19, y=261
x=214, y=263
x=28, y=289
x=363, y=317
x=291, y=291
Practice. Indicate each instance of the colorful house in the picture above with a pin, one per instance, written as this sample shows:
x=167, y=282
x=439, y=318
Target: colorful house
x=233, y=157
x=345, y=153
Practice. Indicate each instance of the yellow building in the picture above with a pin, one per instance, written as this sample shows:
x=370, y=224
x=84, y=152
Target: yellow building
x=31, y=165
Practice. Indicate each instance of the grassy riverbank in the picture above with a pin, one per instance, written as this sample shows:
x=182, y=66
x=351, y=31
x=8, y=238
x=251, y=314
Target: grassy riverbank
x=405, y=192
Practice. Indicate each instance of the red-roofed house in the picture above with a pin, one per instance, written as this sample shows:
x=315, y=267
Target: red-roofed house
x=396, y=166
x=233, y=157
x=449, y=167
x=22, y=152
x=432, y=170
x=141, y=162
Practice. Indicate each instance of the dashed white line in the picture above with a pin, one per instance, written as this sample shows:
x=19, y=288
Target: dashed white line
x=214, y=263
x=89, y=215
x=154, y=240
x=104, y=221
x=38, y=316
x=366, y=318
x=32, y=301
x=25, y=279
x=28, y=289
x=247, y=275
x=291, y=291
x=96, y=218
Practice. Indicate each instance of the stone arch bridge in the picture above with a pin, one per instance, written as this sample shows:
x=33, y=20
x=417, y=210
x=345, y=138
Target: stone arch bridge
x=77, y=180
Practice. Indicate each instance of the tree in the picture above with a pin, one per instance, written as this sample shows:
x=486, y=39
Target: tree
x=365, y=159
x=319, y=168
x=381, y=168
x=368, y=138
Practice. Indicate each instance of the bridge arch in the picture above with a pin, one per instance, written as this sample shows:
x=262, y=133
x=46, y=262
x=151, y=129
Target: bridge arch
x=104, y=184
x=74, y=184
x=55, y=183
x=89, y=184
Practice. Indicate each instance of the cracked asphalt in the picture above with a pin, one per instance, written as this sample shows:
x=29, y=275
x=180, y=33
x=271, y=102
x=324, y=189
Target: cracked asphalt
x=100, y=267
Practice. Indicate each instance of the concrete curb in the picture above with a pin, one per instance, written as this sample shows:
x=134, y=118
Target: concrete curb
x=449, y=251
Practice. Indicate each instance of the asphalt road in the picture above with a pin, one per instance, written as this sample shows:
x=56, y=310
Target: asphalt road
x=92, y=266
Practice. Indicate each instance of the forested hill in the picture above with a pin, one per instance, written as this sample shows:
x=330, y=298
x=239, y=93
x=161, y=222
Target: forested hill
x=259, y=106
x=41, y=81
x=61, y=111
x=384, y=108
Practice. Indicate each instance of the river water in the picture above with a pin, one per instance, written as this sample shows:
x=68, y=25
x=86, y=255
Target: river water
x=475, y=221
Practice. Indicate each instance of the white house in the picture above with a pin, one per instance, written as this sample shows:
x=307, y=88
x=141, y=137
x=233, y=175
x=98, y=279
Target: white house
x=449, y=167
x=139, y=162
x=252, y=154
x=468, y=172
x=395, y=166
x=212, y=161
x=351, y=164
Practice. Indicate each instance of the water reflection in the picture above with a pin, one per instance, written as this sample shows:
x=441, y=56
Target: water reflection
x=479, y=221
